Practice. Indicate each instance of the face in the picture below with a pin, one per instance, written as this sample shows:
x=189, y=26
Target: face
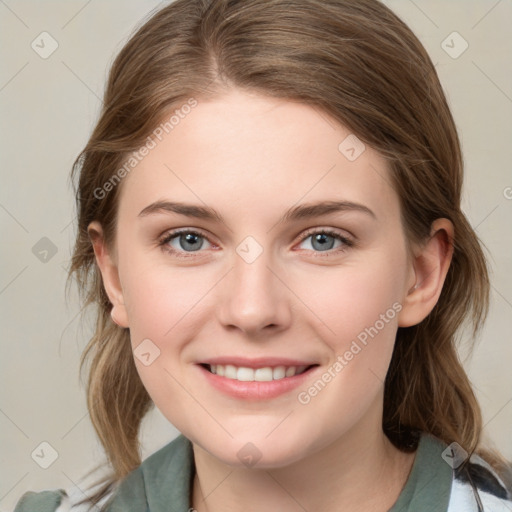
x=272, y=319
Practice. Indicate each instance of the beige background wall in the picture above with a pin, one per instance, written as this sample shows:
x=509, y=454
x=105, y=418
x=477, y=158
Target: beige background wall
x=47, y=109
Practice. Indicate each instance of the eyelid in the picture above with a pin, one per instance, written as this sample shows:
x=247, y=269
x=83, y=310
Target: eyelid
x=174, y=232
x=327, y=231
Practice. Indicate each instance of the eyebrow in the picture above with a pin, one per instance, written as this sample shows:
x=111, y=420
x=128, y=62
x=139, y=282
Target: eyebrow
x=299, y=212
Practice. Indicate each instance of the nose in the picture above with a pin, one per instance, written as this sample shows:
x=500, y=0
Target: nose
x=254, y=298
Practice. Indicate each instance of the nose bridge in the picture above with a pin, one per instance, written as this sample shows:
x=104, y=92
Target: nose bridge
x=253, y=297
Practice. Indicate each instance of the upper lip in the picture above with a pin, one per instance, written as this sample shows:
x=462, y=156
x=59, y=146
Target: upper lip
x=258, y=362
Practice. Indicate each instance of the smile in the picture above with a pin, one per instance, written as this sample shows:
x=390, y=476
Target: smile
x=256, y=379
x=265, y=374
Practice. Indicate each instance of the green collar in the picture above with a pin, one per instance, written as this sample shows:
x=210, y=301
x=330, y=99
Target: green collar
x=163, y=482
x=429, y=484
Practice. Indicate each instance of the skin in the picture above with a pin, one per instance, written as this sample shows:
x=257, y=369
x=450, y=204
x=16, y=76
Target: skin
x=251, y=158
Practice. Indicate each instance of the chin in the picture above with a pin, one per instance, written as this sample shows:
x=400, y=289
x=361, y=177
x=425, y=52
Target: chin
x=258, y=451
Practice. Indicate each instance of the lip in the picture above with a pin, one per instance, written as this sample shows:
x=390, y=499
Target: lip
x=255, y=390
x=258, y=362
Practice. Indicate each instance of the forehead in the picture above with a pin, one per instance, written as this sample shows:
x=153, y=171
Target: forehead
x=248, y=154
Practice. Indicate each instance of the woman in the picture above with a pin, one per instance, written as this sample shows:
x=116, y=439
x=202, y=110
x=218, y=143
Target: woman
x=270, y=229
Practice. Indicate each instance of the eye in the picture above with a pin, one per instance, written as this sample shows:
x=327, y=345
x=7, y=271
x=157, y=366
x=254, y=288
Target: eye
x=323, y=240
x=181, y=242
x=184, y=243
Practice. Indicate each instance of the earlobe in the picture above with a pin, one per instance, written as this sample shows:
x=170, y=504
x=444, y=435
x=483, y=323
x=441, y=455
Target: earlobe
x=109, y=273
x=430, y=267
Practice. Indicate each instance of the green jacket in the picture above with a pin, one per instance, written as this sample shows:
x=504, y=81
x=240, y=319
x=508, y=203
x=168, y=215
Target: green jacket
x=163, y=483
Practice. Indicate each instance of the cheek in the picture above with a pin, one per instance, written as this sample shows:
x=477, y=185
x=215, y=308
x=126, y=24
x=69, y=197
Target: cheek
x=361, y=318
x=163, y=305
x=354, y=299
x=159, y=298
x=358, y=308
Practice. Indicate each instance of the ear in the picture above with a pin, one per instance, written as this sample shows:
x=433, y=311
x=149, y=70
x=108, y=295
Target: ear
x=430, y=265
x=109, y=273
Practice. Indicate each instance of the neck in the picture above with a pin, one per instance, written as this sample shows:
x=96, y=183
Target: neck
x=361, y=470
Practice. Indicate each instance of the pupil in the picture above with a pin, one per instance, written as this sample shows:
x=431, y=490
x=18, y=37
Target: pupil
x=190, y=238
x=321, y=239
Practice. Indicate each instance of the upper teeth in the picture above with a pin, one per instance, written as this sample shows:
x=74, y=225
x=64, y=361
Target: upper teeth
x=259, y=374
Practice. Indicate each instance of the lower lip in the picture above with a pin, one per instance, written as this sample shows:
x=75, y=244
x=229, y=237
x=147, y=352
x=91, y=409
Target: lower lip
x=255, y=390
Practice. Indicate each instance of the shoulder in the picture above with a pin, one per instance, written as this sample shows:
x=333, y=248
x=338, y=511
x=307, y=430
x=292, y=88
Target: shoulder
x=476, y=486
x=44, y=501
x=162, y=478
x=134, y=492
x=444, y=478
x=58, y=500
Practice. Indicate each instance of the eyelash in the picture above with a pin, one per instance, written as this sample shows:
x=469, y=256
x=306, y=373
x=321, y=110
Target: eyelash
x=347, y=243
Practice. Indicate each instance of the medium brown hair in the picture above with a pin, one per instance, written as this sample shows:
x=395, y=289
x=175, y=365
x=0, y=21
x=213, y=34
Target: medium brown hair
x=354, y=60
